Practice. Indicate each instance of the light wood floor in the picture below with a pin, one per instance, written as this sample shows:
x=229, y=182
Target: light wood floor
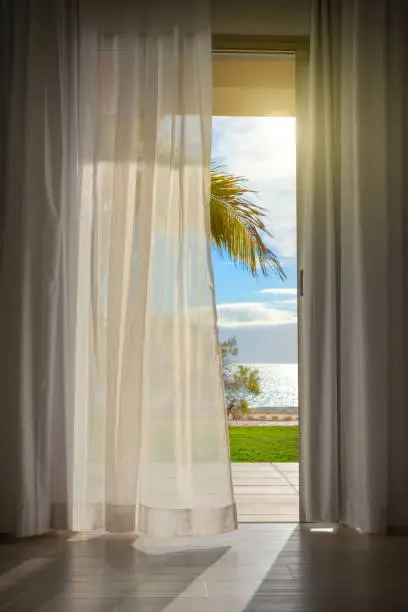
x=259, y=568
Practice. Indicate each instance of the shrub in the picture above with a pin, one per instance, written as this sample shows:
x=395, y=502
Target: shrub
x=239, y=381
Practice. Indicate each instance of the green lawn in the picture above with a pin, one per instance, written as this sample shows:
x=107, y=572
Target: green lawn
x=269, y=444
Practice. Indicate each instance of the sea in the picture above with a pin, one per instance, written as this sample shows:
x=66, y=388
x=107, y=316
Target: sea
x=279, y=386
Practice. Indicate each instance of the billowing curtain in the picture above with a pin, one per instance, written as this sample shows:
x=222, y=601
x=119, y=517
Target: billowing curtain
x=354, y=421
x=122, y=340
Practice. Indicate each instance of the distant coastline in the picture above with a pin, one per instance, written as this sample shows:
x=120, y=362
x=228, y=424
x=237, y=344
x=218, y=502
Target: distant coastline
x=275, y=409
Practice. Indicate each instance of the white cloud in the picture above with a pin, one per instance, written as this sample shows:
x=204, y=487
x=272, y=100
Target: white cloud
x=253, y=314
x=292, y=303
x=263, y=149
x=279, y=291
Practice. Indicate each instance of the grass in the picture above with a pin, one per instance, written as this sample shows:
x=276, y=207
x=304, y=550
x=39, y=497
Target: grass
x=264, y=444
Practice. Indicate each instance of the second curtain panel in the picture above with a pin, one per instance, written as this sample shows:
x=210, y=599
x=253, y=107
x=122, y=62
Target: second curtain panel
x=151, y=448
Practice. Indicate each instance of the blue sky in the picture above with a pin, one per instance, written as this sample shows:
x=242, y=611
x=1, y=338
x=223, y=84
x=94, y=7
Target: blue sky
x=261, y=312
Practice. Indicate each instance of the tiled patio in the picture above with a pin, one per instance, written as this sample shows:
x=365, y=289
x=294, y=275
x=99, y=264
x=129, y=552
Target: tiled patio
x=266, y=492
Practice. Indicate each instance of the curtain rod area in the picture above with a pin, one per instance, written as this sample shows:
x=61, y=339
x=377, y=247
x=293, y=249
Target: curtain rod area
x=228, y=43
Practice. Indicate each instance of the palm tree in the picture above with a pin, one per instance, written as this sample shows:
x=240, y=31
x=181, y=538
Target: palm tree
x=237, y=225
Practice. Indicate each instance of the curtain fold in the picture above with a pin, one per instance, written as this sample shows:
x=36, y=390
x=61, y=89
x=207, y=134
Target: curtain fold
x=354, y=457
x=38, y=262
x=138, y=442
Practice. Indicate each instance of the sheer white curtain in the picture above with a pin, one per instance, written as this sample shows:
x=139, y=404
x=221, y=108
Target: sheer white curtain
x=146, y=435
x=354, y=448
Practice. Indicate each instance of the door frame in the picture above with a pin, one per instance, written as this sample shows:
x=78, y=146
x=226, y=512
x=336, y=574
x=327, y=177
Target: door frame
x=242, y=44
x=299, y=47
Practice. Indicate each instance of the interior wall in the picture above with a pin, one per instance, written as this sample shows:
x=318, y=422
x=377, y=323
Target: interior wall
x=254, y=86
x=261, y=17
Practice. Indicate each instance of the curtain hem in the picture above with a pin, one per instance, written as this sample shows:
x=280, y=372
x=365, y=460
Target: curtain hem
x=162, y=523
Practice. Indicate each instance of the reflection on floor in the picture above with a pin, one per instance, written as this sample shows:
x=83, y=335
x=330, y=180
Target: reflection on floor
x=259, y=568
x=266, y=492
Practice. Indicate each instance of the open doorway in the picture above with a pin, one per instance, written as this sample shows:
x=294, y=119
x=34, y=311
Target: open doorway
x=254, y=161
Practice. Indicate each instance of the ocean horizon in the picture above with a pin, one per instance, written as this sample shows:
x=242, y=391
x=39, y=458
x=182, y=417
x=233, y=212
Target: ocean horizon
x=279, y=386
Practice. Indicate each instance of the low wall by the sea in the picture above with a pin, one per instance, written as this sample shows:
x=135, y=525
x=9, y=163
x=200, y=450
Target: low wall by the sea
x=271, y=414
x=270, y=417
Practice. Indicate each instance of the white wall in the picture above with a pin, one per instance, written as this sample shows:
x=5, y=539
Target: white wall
x=262, y=17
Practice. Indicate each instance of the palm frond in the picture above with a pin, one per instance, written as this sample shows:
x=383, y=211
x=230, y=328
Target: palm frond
x=237, y=225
